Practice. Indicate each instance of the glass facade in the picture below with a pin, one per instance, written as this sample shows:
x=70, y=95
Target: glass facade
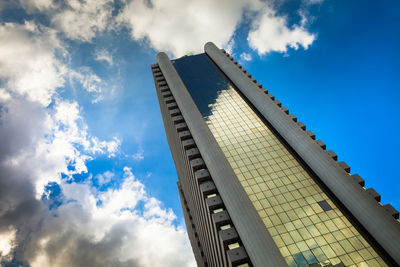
x=305, y=224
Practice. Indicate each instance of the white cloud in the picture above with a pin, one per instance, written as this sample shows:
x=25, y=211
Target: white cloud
x=312, y=2
x=37, y=5
x=104, y=55
x=179, y=28
x=56, y=138
x=139, y=155
x=105, y=177
x=71, y=131
x=111, y=147
x=245, y=57
x=7, y=239
x=4, y=95
x=169, y=25
x=270, y=32
x=28, y=65
x=113, y=233
x=82, y=20
x=39, y=141
x=229, y=46
x=89, y=81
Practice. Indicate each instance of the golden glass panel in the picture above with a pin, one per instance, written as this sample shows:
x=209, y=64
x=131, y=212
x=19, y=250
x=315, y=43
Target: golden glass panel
x=287, y=239
x=365, y=254
x=356, y=257
x=337, y=248
x=311, y=243
x=281, y=229
x=278, y=241
x=284, y=251
x=296, y=236
x=293, y=249
x=234, y=245
x=289, y=226
x=226, y=226
x=218, y=210
x=305, y=233
x=290, y=261
x=302, y=246
x=283, y=193
x=346, y=260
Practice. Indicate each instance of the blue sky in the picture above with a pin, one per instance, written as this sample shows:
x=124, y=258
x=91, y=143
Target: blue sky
x=84, y=161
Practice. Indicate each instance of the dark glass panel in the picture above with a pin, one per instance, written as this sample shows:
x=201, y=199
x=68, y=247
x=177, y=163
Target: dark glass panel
x=203, y=80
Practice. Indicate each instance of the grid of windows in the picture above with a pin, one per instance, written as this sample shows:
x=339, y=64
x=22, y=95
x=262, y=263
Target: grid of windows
x=305, y=224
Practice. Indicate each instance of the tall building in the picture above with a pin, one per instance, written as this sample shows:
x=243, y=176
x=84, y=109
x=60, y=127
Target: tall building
x=256, y=188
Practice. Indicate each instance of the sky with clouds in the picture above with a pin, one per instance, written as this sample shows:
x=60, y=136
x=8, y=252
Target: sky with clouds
x=86, y=176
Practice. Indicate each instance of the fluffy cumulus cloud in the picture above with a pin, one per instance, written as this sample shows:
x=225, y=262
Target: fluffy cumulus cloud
x=270, y=32
x=105, y=229
x=31, y=64
x=82, y=20
x=104, y=178
x=180, y=28
x=87, y=227
x=47, y=218
x=28, y=65
x=38, y=145
x=176, y=26
x=37, y=5
x=6, y=242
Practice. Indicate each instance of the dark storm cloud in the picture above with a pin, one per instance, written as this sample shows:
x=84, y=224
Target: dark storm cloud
x=19, y=208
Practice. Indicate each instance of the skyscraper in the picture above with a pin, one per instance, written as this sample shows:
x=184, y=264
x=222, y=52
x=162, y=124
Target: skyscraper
x=256, y=188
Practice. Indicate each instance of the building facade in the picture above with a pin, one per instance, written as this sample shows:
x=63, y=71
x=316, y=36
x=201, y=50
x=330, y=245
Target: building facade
x=256, y=188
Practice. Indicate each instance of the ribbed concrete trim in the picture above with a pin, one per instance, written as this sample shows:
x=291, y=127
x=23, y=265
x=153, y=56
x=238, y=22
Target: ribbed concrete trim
x=256, y=239
x=189, y=228
x=380, y=224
